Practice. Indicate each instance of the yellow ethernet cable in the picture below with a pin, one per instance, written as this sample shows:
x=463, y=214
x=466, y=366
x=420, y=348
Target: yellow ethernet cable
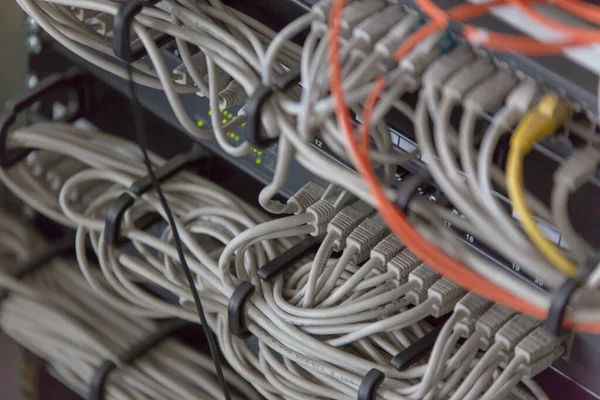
x=537, y=124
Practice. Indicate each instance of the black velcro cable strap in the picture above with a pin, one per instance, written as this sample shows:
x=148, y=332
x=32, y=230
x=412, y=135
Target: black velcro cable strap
x=369, y=384
x=255, y=104
x=98, y=383
x=236, y=309
x=121, y=204
x=122, y=30
x=562, y=296
x=415, y=351
x=410, y=187
x=289, y=257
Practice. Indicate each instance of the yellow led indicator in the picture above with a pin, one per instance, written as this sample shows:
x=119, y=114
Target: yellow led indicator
x=244, y=124
x=254, y=150
x=237, y=138
x=230, y=115
x=224, y=121
x=260, y=153
x=200, y=123
x=209, y=112
x=258, y=160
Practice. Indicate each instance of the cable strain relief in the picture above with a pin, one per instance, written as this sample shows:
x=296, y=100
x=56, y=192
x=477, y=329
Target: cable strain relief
x=346, y=221
x=394, y=38
x=468, y=77
x=544, y=363
x=180, y=75
x=576, y=171
x=376, y=26
x=417, y=296
x=305, y=197
x=439, y=310
x=233, y=95
x=320, y=229
x=491, y=93
x=322, y=211
x=446, y=294
x=516, y=330
x=362, y=254
x=423, y=54
x=364, y=237
x=537, y=345
x=446, y=65
x=523, y=96
x=382, y=269
x=358, y=11
x=424, y=276
x=227, y=98
x=484, y=343
x=473, y=304
x=388, y=248
x=402, y=265
x=342, y=224
x=466, y=326
x=493, y=319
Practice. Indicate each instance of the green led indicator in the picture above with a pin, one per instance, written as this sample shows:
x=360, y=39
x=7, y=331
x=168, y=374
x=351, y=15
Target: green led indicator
x=200, y=123
x=230, y=115
x=224, y=121
x=259, y=153
x=258, y=161
x=209, y=112
x=254, y=150
x=244, y=124
x=237, y=138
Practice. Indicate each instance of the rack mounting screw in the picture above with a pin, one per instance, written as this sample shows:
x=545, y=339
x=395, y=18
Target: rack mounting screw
x=34, y=44
x=31, y=25
x=31, y=80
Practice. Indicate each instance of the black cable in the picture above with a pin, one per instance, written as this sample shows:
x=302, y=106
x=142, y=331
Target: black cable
x=140, y=131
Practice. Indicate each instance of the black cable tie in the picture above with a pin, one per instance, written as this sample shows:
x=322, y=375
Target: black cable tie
x=165, y=330
x=409, y=188
x=72, y=79
x=121, y=204
x=236, y=309
x=287, y=259
x=258, y=99
x=561, y=297
x=369, y=384
x=558, y=305
x=122, y=29
x=415, y=351
x=62, y=247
